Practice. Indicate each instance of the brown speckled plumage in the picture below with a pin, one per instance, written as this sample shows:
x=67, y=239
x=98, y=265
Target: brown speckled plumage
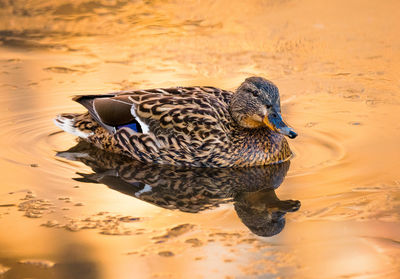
x=186, y=126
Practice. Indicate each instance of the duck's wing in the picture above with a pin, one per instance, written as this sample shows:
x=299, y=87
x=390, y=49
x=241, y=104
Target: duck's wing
x=107, y=110
x=193, y=111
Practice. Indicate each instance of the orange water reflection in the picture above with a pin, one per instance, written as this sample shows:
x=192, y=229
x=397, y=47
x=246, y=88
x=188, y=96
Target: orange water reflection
x=337, y=65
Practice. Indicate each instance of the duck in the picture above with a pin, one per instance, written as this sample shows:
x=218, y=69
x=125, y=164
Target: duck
x=200, y=126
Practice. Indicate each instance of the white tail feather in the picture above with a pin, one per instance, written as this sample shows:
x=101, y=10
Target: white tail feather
x=67, y=124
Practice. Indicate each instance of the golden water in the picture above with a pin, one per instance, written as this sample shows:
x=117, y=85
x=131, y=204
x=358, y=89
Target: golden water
x=337, y=64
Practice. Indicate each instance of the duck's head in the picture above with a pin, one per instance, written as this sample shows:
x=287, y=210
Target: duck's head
x=256, y=104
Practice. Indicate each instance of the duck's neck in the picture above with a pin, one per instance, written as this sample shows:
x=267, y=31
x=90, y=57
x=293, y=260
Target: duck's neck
x=259, y=146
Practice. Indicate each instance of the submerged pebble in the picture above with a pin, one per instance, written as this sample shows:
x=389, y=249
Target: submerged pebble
x=128, y=219
x=60, y=70
x=195, y=242
x=175, y=231
x=29, y=196
x=51, y=224
x=166, y=254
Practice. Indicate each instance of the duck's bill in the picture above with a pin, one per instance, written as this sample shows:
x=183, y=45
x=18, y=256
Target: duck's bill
x=275, y=122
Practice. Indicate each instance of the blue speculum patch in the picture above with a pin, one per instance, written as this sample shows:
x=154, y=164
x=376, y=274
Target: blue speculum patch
x=132, y=126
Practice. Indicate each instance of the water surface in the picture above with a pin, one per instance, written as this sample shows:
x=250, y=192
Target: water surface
x=337, y=65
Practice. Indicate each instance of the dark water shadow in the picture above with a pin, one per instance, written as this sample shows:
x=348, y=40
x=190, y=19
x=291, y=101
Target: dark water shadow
x=252, y=190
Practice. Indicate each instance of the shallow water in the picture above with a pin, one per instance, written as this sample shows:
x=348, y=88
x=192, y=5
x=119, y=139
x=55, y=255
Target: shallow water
x=337, y=65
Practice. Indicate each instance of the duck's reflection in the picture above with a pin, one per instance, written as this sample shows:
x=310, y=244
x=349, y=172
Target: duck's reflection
x=252, y=190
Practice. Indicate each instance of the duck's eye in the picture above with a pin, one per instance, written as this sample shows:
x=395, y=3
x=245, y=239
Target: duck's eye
x=253, y=92
x=268, y=106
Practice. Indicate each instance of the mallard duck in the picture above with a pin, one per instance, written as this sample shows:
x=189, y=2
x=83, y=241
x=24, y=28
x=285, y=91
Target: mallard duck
x=187, y=126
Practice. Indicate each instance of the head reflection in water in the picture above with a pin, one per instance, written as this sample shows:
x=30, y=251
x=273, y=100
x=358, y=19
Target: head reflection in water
x=252, y=190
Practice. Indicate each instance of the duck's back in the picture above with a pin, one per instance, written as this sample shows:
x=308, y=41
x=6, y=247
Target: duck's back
x=180, y=126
